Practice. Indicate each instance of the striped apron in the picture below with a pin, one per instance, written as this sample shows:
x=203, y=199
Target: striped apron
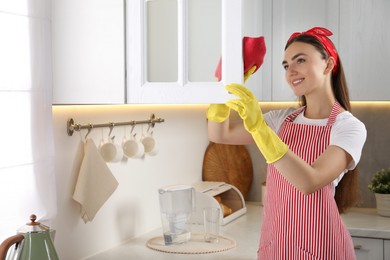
x=298, y=226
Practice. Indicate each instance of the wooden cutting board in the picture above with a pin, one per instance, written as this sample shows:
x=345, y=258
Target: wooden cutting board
x=231, y=164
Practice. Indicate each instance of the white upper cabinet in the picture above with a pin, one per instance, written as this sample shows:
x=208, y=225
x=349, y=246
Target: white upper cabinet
x=166, y=51
x=88, y=52
x=364, y=47
x=174, y=46
x=361, y=35
x=297, y=16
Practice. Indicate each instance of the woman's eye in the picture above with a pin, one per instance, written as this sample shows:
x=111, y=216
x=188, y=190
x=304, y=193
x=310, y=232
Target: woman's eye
x=285, y=67
x=300, y=60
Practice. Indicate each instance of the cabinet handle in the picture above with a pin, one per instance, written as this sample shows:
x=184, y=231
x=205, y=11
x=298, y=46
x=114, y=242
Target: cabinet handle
x=358, y=247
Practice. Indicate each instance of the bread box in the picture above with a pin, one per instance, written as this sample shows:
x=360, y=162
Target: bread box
x=218, y=194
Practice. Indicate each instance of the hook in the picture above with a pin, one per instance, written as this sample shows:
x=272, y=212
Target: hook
x=150, y=125
x=111, y=127
x=89, y=130
x=132, y=127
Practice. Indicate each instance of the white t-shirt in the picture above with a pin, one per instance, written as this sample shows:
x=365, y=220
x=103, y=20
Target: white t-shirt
x=348, y=132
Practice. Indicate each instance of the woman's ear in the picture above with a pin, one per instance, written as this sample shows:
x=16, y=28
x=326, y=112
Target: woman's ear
x=329, y=65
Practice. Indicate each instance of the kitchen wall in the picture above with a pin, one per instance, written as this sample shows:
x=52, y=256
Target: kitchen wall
x=133, y=208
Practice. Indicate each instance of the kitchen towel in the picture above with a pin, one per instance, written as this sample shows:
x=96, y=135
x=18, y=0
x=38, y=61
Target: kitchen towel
x=95, y=183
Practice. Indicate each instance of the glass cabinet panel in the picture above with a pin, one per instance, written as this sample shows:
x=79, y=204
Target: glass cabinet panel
x=162, y=40
x=204, y=39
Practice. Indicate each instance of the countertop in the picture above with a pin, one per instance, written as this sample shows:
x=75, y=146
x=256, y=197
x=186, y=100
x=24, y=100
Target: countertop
x=365, y=222
x=361, y=222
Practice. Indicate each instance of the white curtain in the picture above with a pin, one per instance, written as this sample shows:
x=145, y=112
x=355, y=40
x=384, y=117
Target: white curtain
x=27, y=183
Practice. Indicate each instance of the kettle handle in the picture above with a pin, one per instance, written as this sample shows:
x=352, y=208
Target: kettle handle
x=6, y=244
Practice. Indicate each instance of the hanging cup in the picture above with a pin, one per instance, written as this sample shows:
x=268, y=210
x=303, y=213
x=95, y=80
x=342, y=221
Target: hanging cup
x=110, y=151
x=133, y=148
x=150, y=144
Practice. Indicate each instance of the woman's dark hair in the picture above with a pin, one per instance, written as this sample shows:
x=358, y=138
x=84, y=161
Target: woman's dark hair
x=347, y=191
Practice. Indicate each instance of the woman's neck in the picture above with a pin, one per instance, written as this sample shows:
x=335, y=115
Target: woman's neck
x=319, y=108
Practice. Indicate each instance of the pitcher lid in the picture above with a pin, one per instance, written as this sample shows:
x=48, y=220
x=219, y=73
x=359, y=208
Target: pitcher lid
x=178, y=187
x=33, y=226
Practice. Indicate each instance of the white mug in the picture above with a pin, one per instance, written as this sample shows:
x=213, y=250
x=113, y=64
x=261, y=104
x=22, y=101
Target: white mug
x=150, y=144
x=133, y=148
x=110, y=151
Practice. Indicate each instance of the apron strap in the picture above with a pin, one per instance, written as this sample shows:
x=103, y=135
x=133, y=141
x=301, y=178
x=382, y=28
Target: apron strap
x=292, y=117
x=332, y=117
x=333, y=114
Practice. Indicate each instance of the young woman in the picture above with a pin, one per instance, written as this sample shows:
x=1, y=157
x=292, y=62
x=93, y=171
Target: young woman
x=309, y=152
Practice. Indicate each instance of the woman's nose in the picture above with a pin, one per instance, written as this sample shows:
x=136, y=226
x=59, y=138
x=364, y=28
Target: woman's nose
x=293, y=66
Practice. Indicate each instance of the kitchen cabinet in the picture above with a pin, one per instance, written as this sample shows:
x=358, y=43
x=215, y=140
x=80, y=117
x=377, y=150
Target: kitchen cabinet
x=364, y=47
x=173, y=48
x=361, y=36
x=116, y=52
x=296, y=16
x=369, y=248
x=119, y=51
x=88, y=52
x=387, y=249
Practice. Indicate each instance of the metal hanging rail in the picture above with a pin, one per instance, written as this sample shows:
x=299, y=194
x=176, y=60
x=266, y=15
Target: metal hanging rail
x=71, y=126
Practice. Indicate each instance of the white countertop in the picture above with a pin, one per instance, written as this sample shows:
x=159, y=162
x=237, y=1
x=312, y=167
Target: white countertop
x=365, y=222
x=246, y=231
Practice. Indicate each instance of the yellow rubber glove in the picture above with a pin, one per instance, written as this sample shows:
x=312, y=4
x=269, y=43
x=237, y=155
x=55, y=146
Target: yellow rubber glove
x=249, y=73
x=220, y=112
x=249, y=110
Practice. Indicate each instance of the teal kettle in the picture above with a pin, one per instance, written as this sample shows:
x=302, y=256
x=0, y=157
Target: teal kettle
x=33, y=242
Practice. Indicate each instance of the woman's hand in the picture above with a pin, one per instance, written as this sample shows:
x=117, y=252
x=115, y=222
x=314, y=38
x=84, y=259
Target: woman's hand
x=246, y=106
x=218, y=112
x=249, y=110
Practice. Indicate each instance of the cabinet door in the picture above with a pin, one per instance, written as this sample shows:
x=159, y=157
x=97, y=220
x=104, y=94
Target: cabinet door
x=88, y=52
x=297, y=16
x=364, y=46
x=387, y=249
x=368, y=248
x=164, y=42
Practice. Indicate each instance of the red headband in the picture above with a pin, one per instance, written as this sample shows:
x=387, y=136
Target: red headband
x=321, y=34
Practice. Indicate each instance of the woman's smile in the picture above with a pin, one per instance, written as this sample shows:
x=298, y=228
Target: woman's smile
x=296, y=82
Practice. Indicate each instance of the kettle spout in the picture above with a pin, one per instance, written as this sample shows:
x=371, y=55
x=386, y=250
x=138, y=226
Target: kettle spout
x=6, y=244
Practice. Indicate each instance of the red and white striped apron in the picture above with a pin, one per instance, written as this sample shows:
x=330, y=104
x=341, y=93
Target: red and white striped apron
x=298, y=226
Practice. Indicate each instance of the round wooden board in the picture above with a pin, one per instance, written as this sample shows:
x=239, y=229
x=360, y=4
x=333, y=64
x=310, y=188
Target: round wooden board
x=231, y=164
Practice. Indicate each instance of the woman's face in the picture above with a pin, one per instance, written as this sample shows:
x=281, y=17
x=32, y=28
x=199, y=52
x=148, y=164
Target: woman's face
x=306, y=70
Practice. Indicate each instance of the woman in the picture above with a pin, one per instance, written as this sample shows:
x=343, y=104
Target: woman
x=308, y=151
